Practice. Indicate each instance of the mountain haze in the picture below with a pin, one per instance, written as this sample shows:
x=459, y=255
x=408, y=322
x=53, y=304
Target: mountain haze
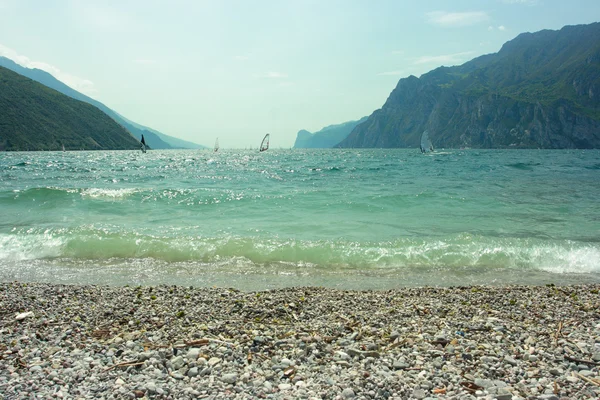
x=154, y=139
x=541, y=90
x=36, y=117
x=327, y=137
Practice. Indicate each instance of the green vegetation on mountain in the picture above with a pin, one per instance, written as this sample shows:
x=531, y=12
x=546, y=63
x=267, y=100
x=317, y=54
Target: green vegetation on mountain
x=541, y=90
x=35, y=117
x=325, y=138
x=154, y=139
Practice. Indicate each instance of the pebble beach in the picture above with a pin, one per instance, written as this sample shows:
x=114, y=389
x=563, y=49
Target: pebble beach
x=174, y=342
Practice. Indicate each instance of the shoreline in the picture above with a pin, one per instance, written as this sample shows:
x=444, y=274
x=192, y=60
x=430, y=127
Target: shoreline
x=504, y=342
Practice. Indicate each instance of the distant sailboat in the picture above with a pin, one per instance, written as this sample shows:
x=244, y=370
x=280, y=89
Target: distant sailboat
x=143, y=147
x=426, y=145
x=265, y=143
x=217, y=145
x=63, y=146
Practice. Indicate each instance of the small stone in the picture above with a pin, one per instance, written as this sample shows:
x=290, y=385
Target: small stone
x=259, y=339
x=348, y=393
x=587, y=373
x=151, y=387
x=353, y=352
x=484, y=383
x=192, y=353
x=22, y=316
x=284, y=386
x=510, y=360
x=400, y=365
x=371, y=353
x=193, y=372
x=229, y=378
x=418, y=394
x=548, y=397
x=177, y=362
x=214, y=361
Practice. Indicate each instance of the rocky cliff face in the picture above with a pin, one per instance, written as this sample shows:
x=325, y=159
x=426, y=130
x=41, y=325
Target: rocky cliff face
x=539, y=91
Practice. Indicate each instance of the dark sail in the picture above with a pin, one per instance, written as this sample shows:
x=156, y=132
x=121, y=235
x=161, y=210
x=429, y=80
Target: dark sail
x=143, y=146
x=265, y=143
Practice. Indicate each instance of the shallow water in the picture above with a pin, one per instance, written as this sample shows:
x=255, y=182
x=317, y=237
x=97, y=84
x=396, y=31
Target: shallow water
x=364, y=219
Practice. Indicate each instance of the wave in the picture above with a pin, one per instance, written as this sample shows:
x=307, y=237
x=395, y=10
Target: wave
x=525, y=166
x=56, y=193
x=458, y=251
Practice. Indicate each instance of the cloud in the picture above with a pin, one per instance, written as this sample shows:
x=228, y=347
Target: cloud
x=501, y=28
x=143, y=61
x=103, y=17
x=391, y=73
x=275, y=75
x=457, y=19
x=80, y=84
x=444, y=59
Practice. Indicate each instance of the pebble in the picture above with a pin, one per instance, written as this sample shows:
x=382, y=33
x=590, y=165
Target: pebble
x=420, y=343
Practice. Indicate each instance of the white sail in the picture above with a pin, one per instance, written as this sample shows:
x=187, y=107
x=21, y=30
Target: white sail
x=426, y=145
x=265, y=143
x=143, y=147
x=217, y=145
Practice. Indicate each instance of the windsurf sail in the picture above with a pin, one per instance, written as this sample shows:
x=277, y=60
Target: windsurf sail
x=265, y=143
x=217, y=145
x=63, y=147
x=426, y=145
x=143, y=147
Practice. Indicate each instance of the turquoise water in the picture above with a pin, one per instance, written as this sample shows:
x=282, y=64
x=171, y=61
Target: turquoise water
x=358, y=219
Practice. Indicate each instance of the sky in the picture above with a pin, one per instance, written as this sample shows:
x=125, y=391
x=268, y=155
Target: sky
x=237, y=69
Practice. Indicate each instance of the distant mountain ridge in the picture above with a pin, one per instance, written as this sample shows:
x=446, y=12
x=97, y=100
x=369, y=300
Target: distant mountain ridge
x=154, y=139
x=36, y=117
x=327, y=137
x=541, y=90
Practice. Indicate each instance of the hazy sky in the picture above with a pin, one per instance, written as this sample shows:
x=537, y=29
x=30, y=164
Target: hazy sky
x=237, y=69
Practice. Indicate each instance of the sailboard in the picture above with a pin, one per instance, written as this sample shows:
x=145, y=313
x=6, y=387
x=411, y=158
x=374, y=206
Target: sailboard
x=265, y=143
x=217, y=145
x=426, y=145
x=63, y=147
x=143, y=147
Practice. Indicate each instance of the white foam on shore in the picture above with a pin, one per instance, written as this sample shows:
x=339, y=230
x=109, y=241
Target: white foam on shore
x=29, y=247
x=561, y=261
x=113, y=194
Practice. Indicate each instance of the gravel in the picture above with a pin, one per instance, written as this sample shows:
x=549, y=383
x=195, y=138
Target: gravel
x=171, y=342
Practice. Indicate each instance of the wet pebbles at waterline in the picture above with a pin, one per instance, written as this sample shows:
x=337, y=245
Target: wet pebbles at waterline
x=173, y=342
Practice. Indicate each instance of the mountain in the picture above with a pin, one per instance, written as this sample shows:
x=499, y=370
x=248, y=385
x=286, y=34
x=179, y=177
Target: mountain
x=35, y=117
x=541, y=90
x=326, y=137
x=154, y=139
x=176, y=143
